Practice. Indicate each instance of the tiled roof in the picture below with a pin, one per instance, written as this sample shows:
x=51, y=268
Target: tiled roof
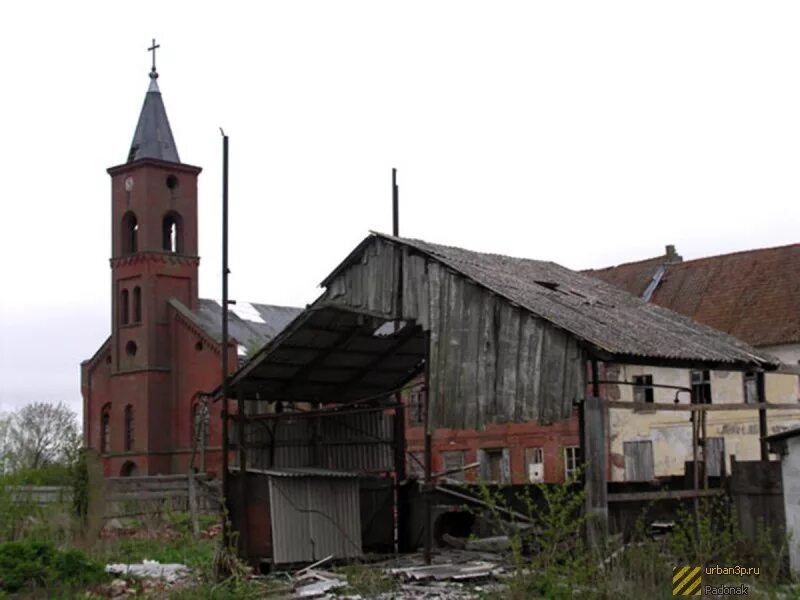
x=753, y=295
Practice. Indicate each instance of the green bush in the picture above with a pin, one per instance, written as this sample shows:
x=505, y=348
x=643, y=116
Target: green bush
x=36, y=564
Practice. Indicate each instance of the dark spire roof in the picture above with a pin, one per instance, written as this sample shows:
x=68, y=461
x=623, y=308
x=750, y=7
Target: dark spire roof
x=153, y=137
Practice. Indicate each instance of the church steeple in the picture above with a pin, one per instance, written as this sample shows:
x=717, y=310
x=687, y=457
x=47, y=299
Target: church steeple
x=153, y=136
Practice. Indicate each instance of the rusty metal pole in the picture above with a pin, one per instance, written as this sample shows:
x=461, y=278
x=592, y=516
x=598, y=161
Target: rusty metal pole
x=428, y=462
x=225, y=477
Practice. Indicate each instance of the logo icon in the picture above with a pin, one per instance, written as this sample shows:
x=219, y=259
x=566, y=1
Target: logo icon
x=687, y=581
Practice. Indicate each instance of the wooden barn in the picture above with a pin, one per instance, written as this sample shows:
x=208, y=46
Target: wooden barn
x=490, y=338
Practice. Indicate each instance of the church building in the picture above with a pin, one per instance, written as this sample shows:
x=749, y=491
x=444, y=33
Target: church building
x=142, y=388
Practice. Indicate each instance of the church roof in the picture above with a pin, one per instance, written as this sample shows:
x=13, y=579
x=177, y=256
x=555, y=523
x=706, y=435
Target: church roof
x=252, y=325
x=153, y=136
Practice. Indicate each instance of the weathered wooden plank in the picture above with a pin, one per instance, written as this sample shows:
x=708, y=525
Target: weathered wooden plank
x=537, y=347
x=595, y=474
x=664, y=495
x=552, y=385
x=487, y=359
x=507, y=360
x=434, y=304
x=456, y=356
x=651, y=406
x=470, y=354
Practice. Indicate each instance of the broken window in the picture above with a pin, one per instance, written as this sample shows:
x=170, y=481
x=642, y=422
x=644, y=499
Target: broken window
x=130, y=234
x=129, y=427
x=701, y=387
x=751, y=387
x=416, y=407
x=638, y=461
x=171, y=233
x=453, y=460
x=124, y=314
x=570, y=461
x=105, y=429
x=534, y=460
x=643, y=388
x=137, y=304
x=200, y=424
x=495, y=465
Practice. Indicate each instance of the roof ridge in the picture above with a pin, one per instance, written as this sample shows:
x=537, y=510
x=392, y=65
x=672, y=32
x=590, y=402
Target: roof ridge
x=737, y=252
x=626, y=264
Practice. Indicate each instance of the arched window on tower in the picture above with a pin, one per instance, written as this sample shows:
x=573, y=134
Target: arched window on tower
x=124, y=308
x=129, y=427
x=172, y=233
x=137, y=304
x=130, y=234
x=105, y=429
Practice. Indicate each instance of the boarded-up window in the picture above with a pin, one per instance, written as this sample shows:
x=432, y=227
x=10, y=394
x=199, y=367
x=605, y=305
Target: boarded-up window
x=416, y=465
x=453, y=460
x=534, y=462
x=570, y=461
x=751, y=387
x=639, y=461
x=495, y=465
x=715, y=454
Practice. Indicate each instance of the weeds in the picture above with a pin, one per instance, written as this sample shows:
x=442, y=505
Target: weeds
x=549, y=558
x=367, y=581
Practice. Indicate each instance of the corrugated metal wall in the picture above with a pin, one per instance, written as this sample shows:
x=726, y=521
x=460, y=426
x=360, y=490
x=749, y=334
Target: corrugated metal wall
x=314, y=517
x=491, y=362
x=348, y=441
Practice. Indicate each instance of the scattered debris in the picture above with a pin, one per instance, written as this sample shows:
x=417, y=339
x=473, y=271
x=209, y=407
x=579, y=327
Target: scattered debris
x=170, y=572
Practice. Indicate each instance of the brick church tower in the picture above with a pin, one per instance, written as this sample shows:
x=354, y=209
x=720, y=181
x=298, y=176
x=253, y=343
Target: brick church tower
x=143, y=390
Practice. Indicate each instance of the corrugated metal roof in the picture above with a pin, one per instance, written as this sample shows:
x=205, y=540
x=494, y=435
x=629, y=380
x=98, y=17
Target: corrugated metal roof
x=153, y=136
x=598, y=313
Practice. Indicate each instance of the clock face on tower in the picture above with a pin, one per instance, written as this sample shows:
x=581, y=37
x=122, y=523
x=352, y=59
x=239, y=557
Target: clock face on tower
x=129, y=184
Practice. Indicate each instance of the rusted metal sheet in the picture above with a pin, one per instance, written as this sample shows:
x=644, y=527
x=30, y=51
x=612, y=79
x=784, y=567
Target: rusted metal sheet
x=314, y=515
x=491, y=360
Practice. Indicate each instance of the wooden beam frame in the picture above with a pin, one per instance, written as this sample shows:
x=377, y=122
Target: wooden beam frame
x=656, y=406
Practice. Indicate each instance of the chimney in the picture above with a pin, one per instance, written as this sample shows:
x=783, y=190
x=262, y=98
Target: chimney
x=671, y=255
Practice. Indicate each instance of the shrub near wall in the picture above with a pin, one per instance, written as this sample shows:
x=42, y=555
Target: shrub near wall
x=28, y=565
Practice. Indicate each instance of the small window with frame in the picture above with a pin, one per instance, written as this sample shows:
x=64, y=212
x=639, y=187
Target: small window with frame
x=643, y=389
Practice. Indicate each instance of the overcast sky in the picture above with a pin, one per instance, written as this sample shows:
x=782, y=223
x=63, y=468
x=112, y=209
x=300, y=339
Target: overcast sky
x=587, y=133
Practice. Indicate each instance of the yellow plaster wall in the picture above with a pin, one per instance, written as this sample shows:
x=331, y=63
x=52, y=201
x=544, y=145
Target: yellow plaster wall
x=671, y=432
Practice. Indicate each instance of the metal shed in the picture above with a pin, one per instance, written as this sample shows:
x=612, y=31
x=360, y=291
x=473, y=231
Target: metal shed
x=302, y=515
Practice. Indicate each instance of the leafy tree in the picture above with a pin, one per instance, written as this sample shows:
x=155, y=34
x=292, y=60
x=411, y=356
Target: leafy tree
x=38, y=435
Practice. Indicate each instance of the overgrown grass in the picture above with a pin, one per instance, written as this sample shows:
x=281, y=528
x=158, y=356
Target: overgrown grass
x=549, y=558
x=367, y=581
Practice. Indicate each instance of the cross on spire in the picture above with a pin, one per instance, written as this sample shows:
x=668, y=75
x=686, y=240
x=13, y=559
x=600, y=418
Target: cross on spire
x=153, y=72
